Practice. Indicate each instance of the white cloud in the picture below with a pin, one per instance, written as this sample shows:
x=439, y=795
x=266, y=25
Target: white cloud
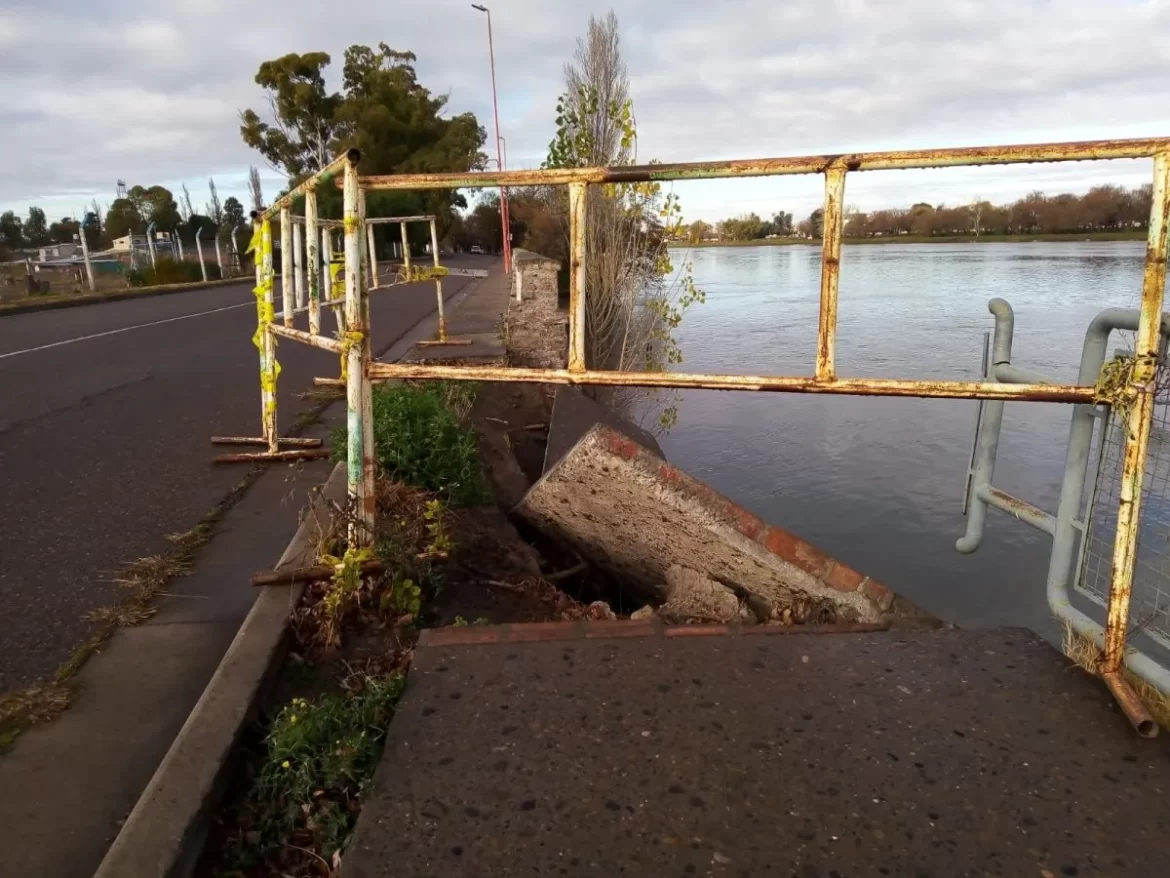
x=111, y=89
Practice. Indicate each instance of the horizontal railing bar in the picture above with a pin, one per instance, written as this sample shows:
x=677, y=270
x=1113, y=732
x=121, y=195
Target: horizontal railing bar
x=377, y=220
x=765, y=383
x=327, y=223
x=322, y=176
x=1089, y=150
x=318, y=341
x=1021, y=509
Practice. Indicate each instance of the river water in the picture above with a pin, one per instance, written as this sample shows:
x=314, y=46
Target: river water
x=878, y=483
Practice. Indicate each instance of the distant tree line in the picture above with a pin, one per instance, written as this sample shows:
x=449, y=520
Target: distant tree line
x=125, y=216
x=1102, y=209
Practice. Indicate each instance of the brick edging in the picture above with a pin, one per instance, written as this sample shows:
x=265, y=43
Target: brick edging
x=541, y=632
x=774, y=540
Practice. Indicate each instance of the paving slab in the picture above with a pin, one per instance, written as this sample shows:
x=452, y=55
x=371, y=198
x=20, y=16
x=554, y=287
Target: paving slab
x=936, y=753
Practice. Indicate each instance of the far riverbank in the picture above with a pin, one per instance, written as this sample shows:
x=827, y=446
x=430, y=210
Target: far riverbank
x=1136, y=235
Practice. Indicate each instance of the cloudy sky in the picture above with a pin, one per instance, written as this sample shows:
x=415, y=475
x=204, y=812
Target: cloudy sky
x=100, y=90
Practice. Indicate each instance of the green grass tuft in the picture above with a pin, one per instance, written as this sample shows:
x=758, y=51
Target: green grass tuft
x=420, y=439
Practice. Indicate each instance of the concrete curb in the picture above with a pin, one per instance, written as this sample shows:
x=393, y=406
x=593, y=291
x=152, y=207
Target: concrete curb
x=54, y=304
x=164, y=834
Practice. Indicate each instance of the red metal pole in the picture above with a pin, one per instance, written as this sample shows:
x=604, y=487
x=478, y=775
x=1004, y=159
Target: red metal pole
x=505, y=231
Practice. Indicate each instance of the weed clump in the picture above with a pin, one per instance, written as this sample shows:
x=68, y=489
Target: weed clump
x=420, y=439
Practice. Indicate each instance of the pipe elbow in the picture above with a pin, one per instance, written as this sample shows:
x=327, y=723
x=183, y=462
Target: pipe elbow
x=966, y=545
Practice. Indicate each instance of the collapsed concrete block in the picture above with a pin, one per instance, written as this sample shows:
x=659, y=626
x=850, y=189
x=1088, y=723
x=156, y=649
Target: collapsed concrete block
x=692, y=596
x=574, y=414
x=635, y=516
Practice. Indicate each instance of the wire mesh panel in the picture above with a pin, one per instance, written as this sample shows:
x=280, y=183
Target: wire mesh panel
x=1150, y=605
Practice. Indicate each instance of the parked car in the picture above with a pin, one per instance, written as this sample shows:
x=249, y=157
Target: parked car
x=475, y=248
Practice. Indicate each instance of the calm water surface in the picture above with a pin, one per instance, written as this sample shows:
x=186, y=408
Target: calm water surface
x=878, y=482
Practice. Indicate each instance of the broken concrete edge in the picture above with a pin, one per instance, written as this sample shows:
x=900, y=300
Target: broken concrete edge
x=608, y=629
x=164, y=835
x=828, y=574
x=56, y=302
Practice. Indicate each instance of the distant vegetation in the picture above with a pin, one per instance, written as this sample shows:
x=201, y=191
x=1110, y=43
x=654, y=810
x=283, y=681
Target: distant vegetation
x=1105, y=211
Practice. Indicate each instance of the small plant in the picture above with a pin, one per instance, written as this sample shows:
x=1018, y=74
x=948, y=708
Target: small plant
x=403, y=597
x=318, y=758
x=419, y=439
x=440, y=543
x=344, y=589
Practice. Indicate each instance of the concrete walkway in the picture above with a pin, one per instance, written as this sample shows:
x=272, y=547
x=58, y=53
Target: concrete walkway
x=927, y=754
x=70, y=783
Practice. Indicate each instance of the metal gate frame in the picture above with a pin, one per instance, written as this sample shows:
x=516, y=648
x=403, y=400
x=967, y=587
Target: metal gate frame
x=1136, y=392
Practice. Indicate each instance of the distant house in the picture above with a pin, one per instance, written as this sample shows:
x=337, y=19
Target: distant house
x=138, y=242
x=57, y=251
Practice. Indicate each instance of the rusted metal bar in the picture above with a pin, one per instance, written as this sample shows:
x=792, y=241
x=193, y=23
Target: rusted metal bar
x=306, y=187
x=329, y=382
x=769, y=167
x=379, y=220
x=832, y=225
x=405, y=248
x=256, y=440
x=578, y=211
x=259, y=456
x=762, y=383
x=323, y=342
x=322, y=222
x=1139, y=417
x=438, y=285
x=1133, y=708
x=286, y=266
x=1021, y=509
x=359, y=457
x=309, y=574
x=312, y=259
x=371, y=256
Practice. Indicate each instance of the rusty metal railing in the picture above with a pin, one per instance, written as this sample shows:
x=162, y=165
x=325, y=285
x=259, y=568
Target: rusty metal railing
x=1136, y=395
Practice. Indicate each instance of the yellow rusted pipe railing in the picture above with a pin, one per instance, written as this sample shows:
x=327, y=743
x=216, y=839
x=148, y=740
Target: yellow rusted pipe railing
x=832, y=227
x=1092, y=150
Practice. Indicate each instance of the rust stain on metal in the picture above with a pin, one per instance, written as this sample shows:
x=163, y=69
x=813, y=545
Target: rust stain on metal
x=259, y=440
x=1130, y=704
x=578, y=201
x=1139, y=418
x=309, y=185
x=318, y=341
x=1067, y=393
x=296, y=454
x=767, y=167
x=832, y=228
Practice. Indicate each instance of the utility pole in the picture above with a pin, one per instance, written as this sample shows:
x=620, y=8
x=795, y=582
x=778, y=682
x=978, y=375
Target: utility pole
x=507, y=236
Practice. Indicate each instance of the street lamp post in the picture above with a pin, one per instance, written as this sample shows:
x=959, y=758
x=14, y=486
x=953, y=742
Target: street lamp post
x=507, y=233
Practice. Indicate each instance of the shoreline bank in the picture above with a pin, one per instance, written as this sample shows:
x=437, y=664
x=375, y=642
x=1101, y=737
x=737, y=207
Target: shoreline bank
x=927, y=239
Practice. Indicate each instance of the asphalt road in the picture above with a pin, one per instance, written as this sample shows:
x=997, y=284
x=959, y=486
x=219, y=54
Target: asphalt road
x=104, y=426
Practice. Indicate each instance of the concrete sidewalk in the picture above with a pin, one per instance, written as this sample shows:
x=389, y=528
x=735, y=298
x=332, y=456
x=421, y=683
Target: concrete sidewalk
x=69, y=784
x=594, y=752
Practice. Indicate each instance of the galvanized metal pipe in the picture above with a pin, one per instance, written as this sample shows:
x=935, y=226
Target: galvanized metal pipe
x=298, y=266
x=990, y=424
x=312, y=259
x=1021, y=509
x=89, y=265
x=761, y=383
x=578, y=218
x=286, y=265
x=371, y=256
x=832, y=226
x=219, y=256
x=379, y=220
x=405, y=248
x=359, y=454
x=199, y=252
x=149, y=242
x=1139, y=417
x=769, y=167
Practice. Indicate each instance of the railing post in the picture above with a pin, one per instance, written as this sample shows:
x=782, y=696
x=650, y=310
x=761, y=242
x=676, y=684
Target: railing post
x=219, y=256
x=264, y=340
x=578, y=204
x=438, y=282
x=833, y=223
x=85, y=258
x=405, y=250
x=199, y=252
x=1138, y=418
x=371, y=256
x=286, y=264
x=312, y=258
x=358, y=394
x=298, y=265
